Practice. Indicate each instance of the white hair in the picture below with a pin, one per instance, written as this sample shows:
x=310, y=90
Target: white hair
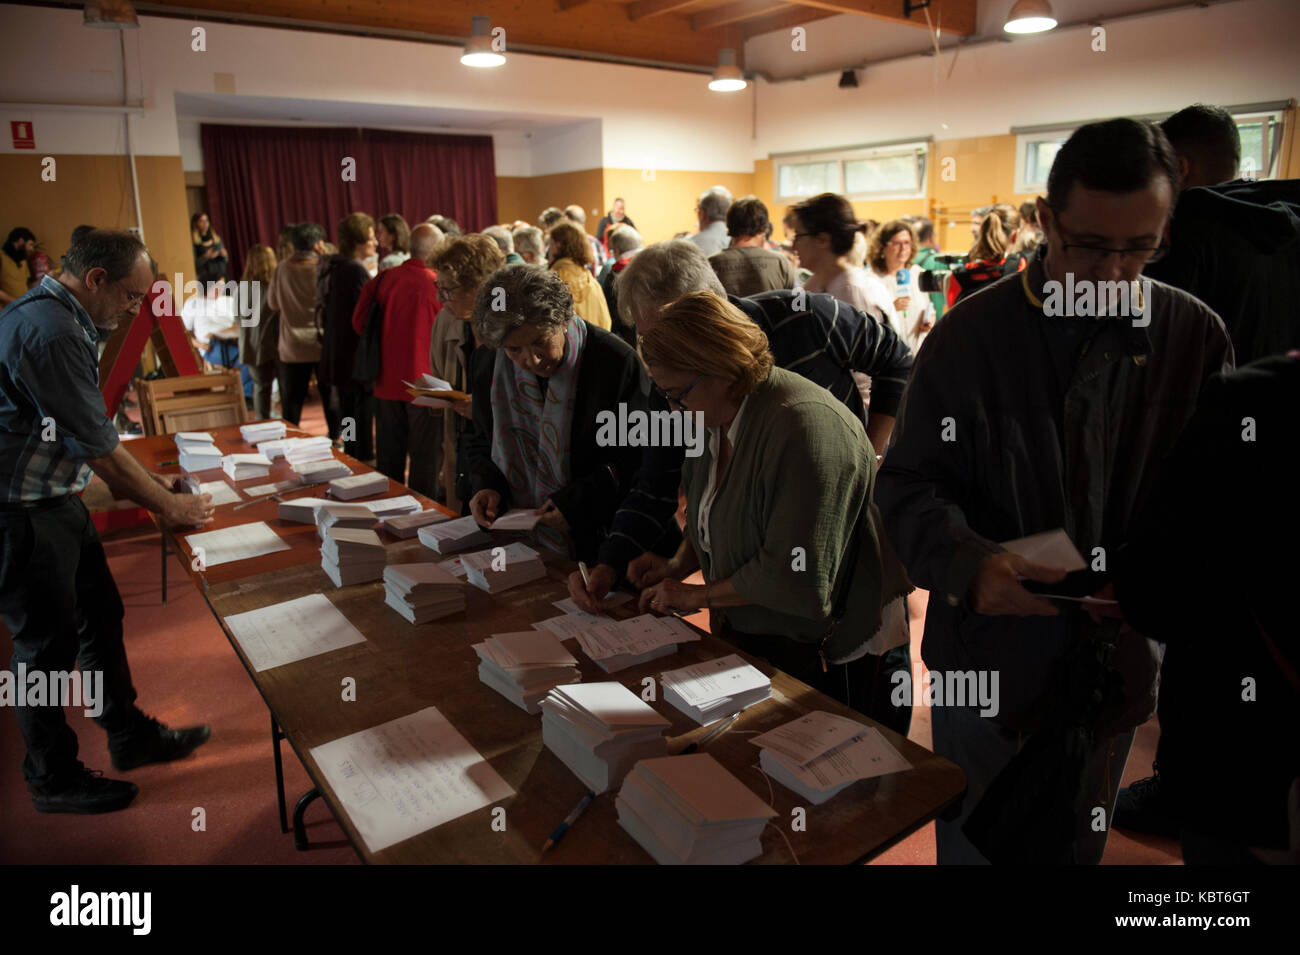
x=714, y=202
x=662, y=273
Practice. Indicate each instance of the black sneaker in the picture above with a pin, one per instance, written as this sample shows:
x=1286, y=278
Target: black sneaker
x=155, y=743
x=1145, y=807
x=89, y=793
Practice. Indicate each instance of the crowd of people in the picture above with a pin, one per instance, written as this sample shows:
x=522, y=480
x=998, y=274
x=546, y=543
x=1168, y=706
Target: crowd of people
x=876, y=417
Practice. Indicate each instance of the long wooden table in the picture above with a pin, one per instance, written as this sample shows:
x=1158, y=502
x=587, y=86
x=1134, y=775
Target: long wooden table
x=403, y=668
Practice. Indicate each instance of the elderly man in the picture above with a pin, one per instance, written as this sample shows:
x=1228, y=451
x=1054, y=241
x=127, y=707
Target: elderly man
x=624, y=242
x=616, y=216
x=1027, y=414
x=530, y=244
x=814, y=335
x=711, y=215
x=505, y=242
x=57, y=594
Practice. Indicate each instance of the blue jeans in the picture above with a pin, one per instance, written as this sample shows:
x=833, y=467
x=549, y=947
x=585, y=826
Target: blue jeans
x=226, y=353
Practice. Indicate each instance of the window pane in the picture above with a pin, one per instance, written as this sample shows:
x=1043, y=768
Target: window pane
x=1253, y=154
x=1038, y=160
x=882, y=174
x=807, y=179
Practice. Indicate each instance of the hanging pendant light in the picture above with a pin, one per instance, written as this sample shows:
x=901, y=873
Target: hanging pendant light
x=1030, y=16
x=727, y=78
x=478, y=51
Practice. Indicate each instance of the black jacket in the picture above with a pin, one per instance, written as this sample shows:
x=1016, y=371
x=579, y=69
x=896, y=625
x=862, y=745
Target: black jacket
x=1236, y=247
x=599, y=477
x=338, y=287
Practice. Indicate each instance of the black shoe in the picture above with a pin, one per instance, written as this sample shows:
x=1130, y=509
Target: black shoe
x=1145, y=807
x=155, y=743
x=89, y=793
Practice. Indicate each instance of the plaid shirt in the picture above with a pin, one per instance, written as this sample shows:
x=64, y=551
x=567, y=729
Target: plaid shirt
x=52, y=415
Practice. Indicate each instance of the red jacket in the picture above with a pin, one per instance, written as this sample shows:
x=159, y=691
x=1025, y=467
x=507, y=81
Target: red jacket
x=409, y=296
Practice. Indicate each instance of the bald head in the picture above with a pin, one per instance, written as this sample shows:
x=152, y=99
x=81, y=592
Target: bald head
x=424, y=239
x=576, y=213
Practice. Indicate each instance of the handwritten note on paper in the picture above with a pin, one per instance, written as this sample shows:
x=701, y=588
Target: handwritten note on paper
x=236, y=543
x=408, y=776
x=290, y=631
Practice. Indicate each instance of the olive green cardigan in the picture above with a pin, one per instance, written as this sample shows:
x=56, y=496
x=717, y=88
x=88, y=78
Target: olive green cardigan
x=799, y=483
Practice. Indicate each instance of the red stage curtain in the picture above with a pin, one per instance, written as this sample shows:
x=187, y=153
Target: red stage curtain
x=260, y=178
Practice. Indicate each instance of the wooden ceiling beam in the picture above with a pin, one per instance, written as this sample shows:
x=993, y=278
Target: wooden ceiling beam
x=784, y=20
x=954, y=17
x=640, y=9
x=736, y=12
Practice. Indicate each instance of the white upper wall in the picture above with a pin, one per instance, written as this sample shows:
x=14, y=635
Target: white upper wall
x=647, y=118
x=1226, y=54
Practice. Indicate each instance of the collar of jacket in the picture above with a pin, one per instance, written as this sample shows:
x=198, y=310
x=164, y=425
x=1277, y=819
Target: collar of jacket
x=1136, y=344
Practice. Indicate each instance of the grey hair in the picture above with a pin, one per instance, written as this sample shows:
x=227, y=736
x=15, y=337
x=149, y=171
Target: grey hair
x=575, y=213
x=663, y=273
x=502, y=236
x=714, y=202
x=114, y=250
x=424, y=239
x=528, y=238
x=623, y=239
x=519, y=295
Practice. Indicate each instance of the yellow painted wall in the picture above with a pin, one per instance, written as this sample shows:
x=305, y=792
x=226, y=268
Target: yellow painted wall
x=665, y=205
x=96, y=190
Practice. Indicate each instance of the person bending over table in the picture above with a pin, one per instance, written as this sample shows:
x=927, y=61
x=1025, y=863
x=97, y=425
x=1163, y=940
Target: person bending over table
x=536, y=434
x=57, y=594
x=779, y=512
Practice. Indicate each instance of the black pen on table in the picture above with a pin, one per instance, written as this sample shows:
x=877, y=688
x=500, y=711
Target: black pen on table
x=569, y=820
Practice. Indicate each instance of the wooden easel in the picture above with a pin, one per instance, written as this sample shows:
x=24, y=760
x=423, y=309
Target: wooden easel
x=126, y=345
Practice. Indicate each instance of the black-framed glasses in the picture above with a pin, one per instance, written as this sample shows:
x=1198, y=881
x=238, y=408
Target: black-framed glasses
x=132, y=298
x=678, y=401
x=1093, y=255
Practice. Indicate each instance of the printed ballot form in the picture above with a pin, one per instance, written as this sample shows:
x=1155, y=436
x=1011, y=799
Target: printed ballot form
x=408, y=776
x=222, y=493
x=291, y=631
x=235, y=543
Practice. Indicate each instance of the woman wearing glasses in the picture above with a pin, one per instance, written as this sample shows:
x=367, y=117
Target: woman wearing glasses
x=779, y=512
x=890, y=250
x=824, y=228
x=537, y=441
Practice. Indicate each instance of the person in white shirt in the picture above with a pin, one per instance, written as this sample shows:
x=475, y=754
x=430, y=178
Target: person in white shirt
x=711, y=214
x=212, y=320
x=889, y=252
x=823, y=230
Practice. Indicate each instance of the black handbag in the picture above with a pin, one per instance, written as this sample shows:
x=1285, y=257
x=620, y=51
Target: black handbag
x=366, y=361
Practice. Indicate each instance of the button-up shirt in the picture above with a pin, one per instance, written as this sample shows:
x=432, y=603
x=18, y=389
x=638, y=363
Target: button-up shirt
x=52, y=415
x=711, y=491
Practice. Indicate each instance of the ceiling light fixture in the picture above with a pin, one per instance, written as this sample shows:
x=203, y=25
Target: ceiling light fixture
x=479, y=51
x=727, y=78
x=849, y=80
x=1030, y=16
x=110, y=15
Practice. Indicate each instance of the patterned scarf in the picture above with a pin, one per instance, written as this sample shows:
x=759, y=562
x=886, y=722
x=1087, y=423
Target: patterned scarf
x=532, y=431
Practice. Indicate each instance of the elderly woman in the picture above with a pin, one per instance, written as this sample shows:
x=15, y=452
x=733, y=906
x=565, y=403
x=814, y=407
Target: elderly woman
x=536, y=433
x=571, y=259
x=890, y=251
x=779, y=512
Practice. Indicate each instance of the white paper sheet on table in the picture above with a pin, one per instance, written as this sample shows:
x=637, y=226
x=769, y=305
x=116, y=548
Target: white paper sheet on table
x=702, y=683
x=236, y=543
x=520, y=519
x=408, y=776
x=263, y=489
x=222, y=493
x=611, y=600
x=455, y=566
x=291, y=631
x=803, y=740
x=867, y=756
x=568, y=626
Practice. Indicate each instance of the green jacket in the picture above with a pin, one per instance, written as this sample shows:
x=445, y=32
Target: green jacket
x=797, y=492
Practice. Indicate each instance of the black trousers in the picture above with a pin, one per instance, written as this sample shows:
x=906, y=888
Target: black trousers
x=866, y=684
x=263, y=377
x=404, y=430
x=58, y=599
x=352, y=404
x=295, y=380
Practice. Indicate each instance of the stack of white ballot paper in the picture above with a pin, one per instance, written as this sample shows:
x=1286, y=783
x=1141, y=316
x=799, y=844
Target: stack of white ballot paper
x=501, y=568
x=406, y=526
x=422, y=592
x=688, y=810
x=524, y=667
x=600, y=731
x=303, y=450
x=821, y=753
x=352, y=516
x=714, y=689
x=198, y=452
x=449, y=537
x=301, y=510
x=615, y=645
x=245, y=467
x=349, y=556
x=358, y=485
x=313, y=472
x=392, y=506
x=262, y=431
x=520, y=519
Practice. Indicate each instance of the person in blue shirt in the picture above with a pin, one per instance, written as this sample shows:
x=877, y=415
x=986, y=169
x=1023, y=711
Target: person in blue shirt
x=57, y=594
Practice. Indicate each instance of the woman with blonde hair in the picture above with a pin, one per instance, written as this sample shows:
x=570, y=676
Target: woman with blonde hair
x=210, y=253
x=571, y=258
x=779, y=513
x=259, y=342
x=991, y=257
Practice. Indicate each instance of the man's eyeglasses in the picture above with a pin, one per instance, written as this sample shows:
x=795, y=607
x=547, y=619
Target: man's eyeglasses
x=1092, y=255
x=678, y=401
x=132, y=298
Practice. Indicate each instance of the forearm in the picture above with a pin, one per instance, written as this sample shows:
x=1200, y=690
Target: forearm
x=879, y=428
x=127, y=477
x=721, y=593
x=685, y=562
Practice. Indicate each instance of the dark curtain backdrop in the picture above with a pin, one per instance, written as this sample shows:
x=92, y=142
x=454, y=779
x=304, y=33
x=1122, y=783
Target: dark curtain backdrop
x=260, y=178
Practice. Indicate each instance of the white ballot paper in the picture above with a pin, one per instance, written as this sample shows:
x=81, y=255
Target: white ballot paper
x=263, y=489
x=865, y=757
x=235, y=543
x=408, y=776
x=803, y=740
x=291, y=631
x=567, y=605
x=520, y=519
x=1050, y=548
x=222, y=493
x=567, y=626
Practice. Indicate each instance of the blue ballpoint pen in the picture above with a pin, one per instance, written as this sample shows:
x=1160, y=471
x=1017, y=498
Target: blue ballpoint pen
x=569, y=820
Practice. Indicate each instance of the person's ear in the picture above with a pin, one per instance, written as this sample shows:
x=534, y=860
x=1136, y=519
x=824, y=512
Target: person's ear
x=1184, y=169
x=95, y=279
x=1046, y=220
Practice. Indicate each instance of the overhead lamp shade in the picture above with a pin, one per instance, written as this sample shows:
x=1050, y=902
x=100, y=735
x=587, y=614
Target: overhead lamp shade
x=110, y=15
x=727, y=78
x=478, y=51
x=1030, y=16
